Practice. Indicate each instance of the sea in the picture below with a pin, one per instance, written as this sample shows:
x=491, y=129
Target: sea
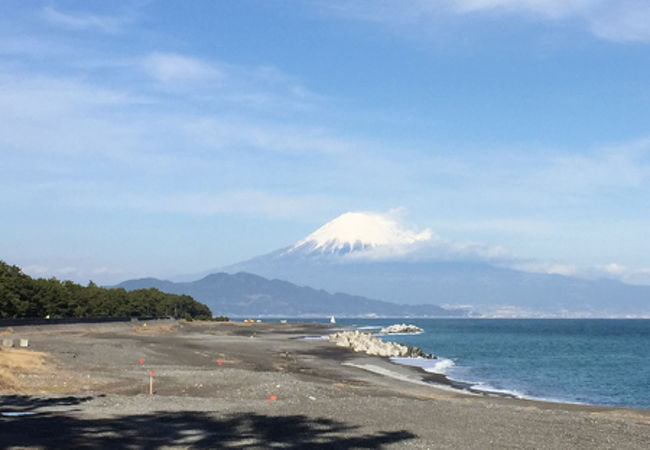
x=584, y=361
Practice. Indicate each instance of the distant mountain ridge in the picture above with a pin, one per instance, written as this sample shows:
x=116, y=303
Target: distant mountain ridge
x=371, y=255
x=245, y=294
x=480, y=287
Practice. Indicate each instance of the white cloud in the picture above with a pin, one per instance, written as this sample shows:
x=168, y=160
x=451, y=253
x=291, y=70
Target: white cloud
x=229, y=133
x=555, y=9
x=438, y=248
x=173, y=67
x=37, y=270
x=546, y=267
x=616, y=20
x=251, y=88
x=60, y=140
x=83, y=21
x=393, y=239
x=246, y=201
x=30, y=46
x=623, y=21
x=65, y=117
x=615, y=271
x=70, y=117
x=562, y=269
x=254, y=202
x=27, y=95
x=502, y=225
x=105, y=275
x=56, y=115
x=622, y=273
x=620, y=166
x=547, y=178
x=77, y=120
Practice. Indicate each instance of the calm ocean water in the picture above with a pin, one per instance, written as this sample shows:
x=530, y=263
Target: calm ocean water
x=601, y=362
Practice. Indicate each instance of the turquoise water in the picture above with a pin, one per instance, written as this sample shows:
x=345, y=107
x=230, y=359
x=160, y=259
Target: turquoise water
x=592, y=361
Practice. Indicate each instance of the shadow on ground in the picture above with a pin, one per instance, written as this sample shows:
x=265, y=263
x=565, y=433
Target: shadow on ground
x=25, y=403
x=188, y=429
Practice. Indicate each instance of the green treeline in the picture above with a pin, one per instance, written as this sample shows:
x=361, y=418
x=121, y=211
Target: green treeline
x=23, y=296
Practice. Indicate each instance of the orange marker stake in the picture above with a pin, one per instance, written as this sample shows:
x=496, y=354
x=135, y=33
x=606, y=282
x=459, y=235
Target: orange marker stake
x=151, y=372
x=273, y=398
x=219, y=362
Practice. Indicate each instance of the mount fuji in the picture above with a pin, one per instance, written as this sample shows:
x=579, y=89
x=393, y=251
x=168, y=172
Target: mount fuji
x=374, y=255
x=359, y=234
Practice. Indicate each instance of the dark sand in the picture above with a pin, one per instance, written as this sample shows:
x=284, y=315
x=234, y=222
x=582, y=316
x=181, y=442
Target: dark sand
x=94, y=393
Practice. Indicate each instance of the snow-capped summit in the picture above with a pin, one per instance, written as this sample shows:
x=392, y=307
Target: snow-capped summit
x=357, y=231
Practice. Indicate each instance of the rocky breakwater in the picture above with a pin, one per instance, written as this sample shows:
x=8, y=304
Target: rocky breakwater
x=401, y=329
x=367, y=343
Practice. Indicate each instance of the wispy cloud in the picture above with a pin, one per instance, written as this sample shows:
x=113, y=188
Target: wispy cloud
x=244, y=201
x=77, y=274
x=622, y=21
x=626, y=274
x=626, y=165
x=11, y=45
x=395, y=240
x=614, y=271
x=615, y=20
x=438, y=247
x=83, y=20
x=553, y=9
x=254, y=88
x=72, y=118
x=25, y=93
x=550, y=174
x=208, y=202
x=173, y=67
x=523, y=226
x=232, y=133
x=171, y=132
x=57, y=113
x=60, y=138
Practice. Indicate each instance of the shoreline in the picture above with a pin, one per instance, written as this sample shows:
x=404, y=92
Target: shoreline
x=429, y=378
x=498, y=376
x=443, y=381
x=269, y=378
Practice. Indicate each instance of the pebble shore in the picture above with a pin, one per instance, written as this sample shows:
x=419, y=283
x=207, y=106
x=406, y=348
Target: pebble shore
x=233, y=385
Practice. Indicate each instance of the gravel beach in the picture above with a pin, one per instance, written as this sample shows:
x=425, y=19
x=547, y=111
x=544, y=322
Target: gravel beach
x=235, y=385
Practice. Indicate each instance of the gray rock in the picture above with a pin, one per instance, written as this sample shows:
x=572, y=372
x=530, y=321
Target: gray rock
x=371, y=345
x=401, y=328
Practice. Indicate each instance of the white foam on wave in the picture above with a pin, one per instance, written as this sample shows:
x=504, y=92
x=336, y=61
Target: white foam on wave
x=398, y=334
x=439, y=365
x=398, y=376
x=444, y=365
x=314, y=338
x=489, y=389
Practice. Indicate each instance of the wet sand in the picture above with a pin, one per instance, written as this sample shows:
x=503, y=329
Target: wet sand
x=93, y=392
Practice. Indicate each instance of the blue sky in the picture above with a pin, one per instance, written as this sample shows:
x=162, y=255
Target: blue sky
x=157, y=138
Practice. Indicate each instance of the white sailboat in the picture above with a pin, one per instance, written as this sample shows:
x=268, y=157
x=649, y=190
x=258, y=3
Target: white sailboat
x=332, y=319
